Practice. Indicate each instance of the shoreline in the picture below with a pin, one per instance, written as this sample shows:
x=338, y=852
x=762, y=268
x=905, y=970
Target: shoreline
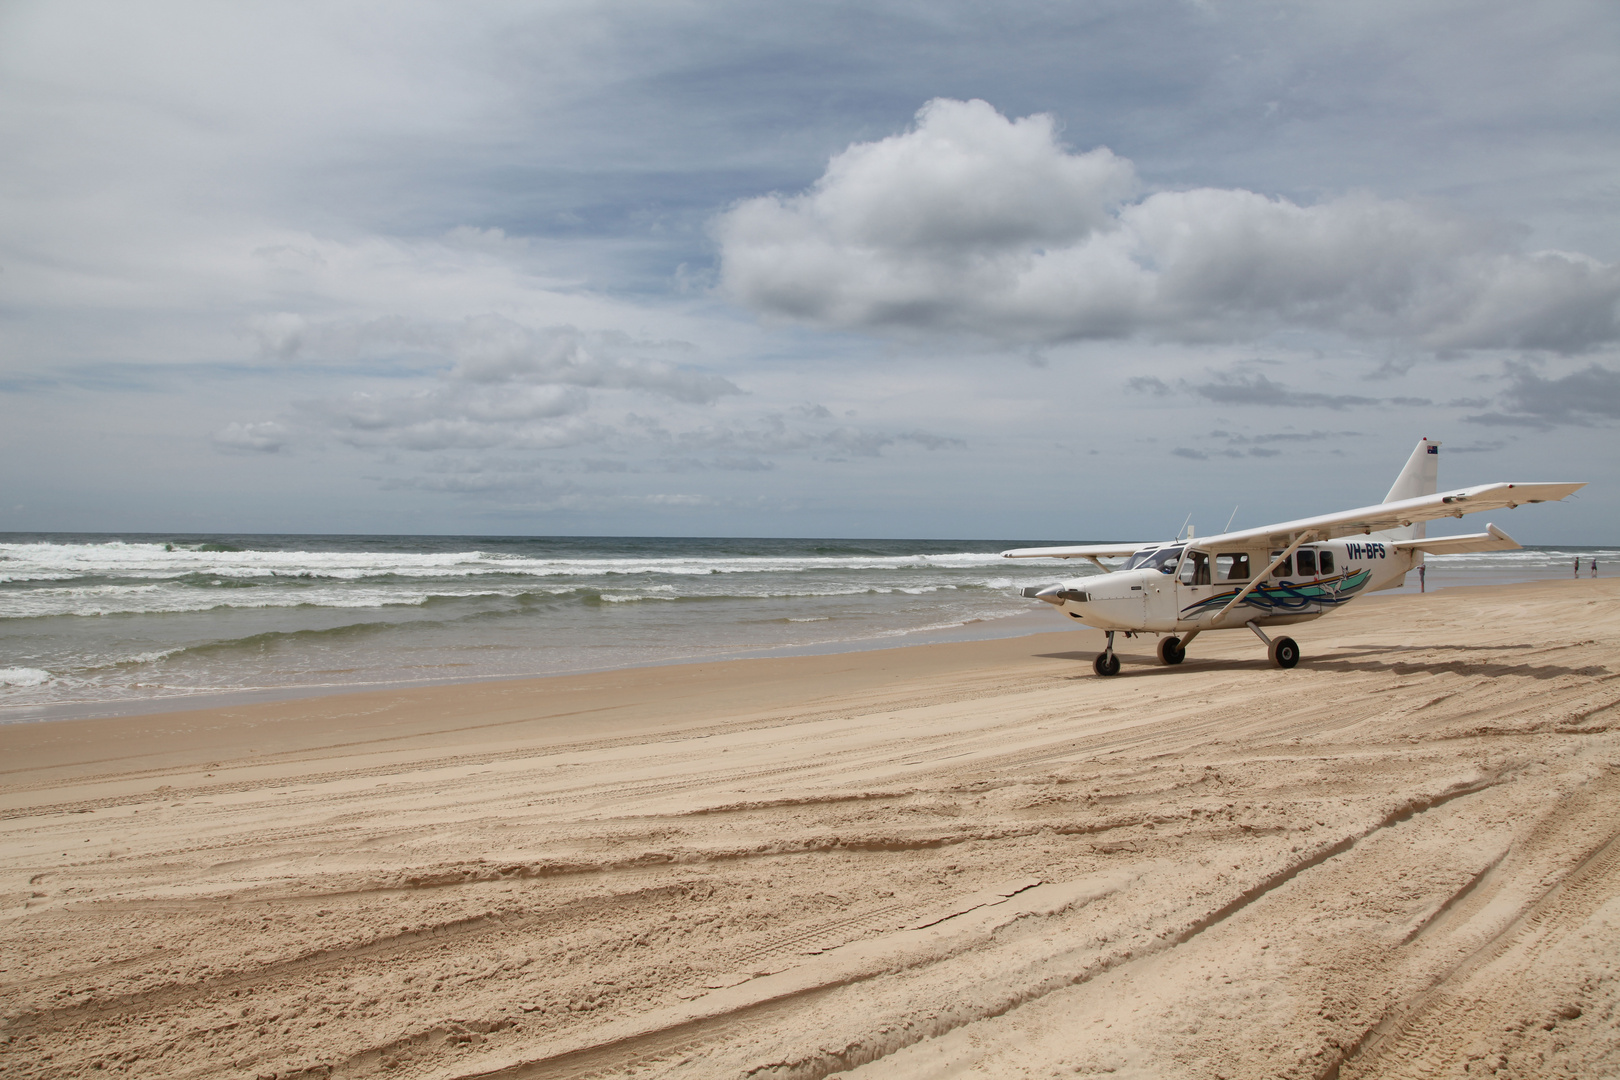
x=1022, y=624
x=456, y=706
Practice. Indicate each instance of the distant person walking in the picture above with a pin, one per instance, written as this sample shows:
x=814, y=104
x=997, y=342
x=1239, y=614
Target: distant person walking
x=1594, y=568
x=1423, y=579
x=1577, y=566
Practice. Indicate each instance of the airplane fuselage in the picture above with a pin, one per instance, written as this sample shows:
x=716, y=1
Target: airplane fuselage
x=1183, y=586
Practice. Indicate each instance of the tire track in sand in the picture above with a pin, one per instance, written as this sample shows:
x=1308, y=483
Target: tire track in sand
x=1409, y=1040
x=691, y=1036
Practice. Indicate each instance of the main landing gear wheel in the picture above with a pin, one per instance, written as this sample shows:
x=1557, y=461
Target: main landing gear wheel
x=1284, y=652
x=1171, y=650
x=1106, y=664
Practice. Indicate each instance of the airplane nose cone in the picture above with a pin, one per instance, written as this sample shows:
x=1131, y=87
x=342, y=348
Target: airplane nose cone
x=1057, y=594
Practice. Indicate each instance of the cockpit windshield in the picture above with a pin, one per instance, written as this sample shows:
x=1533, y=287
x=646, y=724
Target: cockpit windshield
x=1161, y=559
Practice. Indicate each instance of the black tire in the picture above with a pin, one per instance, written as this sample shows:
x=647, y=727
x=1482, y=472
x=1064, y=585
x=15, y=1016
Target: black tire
x=1106, y=664
x=1285, y=652
x=1171, y=650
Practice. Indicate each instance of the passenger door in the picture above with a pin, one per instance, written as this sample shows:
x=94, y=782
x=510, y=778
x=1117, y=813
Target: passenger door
x=1193, y=586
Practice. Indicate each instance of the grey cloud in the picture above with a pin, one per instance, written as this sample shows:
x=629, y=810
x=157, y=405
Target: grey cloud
x=457, y=416
x=1593, y=393
x=932, y=442
x=1229, y=452
x=1258, y=390
x=743, y=464
x=1588, y=396
x=723, y=463
x=1283, y=436
x=476, y=471
x=472, y=483
x=1147, y=384
x=1498, y=419
x=973, y=222
x=1264, y=445
x=798, y=431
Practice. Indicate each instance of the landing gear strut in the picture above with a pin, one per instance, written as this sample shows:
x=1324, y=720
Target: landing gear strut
x=1106, y=663
x=1283, y=651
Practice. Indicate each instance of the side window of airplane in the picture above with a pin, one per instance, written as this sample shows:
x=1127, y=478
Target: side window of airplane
x=1284, y=568
x=1232, y=566
x=1195, y=568
x=1305, y=559
x=1324, y=559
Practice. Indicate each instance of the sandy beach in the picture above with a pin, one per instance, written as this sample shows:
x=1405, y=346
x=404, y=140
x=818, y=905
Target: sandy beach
x=1400, y=859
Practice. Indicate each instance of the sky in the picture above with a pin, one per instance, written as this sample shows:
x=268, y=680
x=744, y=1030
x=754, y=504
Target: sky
x=1034, y=271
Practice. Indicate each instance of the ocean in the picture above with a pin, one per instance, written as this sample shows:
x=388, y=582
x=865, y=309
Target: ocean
x=102, y=624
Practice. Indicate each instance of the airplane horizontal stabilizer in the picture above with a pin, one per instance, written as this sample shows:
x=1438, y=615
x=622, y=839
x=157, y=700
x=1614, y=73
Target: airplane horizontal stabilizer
x=1493, y=539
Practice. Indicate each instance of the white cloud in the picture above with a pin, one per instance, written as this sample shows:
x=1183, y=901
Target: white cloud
x=492, y=349
x=492, y=384
x=964, y=179
x=973, y=222
x=264, y=437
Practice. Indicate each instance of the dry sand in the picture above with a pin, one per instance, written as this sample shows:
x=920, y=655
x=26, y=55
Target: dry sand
x=1400, y=859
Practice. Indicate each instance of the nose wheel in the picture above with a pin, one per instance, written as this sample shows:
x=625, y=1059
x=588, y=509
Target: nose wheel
x=1107, y=663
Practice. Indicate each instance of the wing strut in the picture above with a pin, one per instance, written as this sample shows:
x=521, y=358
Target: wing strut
x=1262, y=575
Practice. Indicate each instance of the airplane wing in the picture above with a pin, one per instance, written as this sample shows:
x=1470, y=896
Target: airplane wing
x=1076, y=551
x=1493, y=539
x=1363, y=520
x=1391, y=515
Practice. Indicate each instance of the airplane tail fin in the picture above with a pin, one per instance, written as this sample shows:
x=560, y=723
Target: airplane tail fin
x=1421, y=476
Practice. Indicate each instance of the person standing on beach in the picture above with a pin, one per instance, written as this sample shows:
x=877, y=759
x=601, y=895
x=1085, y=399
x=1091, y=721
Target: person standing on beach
x=1423, y=579
x=1594, y=568
x=1577, y=566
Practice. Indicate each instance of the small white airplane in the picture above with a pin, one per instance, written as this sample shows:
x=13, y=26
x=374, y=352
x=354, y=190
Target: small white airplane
x=1277, y=574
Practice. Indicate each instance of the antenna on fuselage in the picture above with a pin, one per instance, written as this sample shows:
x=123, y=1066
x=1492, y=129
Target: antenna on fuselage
x=1183, y=526
x=1230, y=520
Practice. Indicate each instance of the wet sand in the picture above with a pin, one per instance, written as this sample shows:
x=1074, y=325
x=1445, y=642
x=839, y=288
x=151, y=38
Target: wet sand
x=1401, y=858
